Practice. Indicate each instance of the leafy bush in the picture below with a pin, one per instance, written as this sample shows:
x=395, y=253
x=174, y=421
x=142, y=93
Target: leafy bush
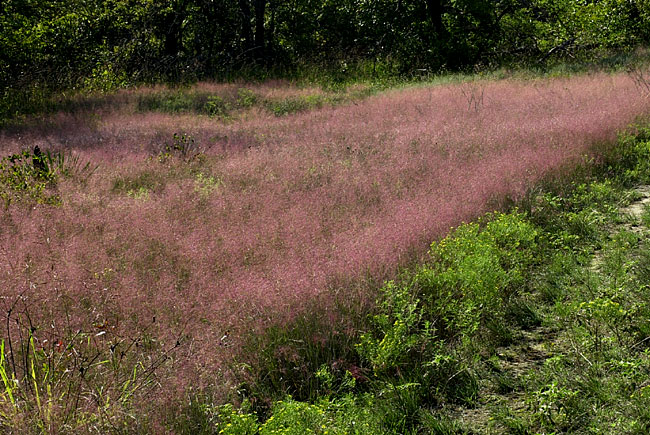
x=346, y=415
x=237, y=421
x=246, y=98
x=32, y=175
x=473, y=274
x=23, y=176
x=216, y=106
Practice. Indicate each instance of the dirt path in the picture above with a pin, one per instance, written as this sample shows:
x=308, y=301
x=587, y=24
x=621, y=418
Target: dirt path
x=503, y=397
x=636, y=209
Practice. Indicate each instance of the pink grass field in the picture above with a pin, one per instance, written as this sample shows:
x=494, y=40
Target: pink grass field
x=279, y=211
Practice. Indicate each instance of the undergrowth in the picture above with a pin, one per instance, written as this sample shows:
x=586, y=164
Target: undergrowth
x=61, y=379
x=32, y=175
x=228, y=105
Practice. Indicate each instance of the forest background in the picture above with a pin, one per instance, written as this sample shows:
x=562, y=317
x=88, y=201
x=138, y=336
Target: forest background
x=54, y=45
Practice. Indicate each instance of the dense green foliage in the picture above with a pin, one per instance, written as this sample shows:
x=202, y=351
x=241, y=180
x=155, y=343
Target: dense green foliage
x=53, y=46
x=32, y=176
x=108, y=43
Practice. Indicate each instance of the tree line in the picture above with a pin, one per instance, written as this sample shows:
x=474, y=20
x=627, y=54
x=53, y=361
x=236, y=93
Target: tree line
x=77, y=43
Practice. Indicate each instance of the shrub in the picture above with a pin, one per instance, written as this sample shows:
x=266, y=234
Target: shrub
x=32, y=175
x=26, y=175
x=472, y=275
x=216, y=106
x=346, y=415
x=246, y=98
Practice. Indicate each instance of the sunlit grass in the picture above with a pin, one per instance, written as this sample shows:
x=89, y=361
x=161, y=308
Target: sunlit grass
x=217, y=227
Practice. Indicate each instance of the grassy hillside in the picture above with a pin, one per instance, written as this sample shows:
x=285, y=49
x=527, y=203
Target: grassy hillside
x=172, y=251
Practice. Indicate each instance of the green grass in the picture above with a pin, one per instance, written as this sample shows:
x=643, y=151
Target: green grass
x=225, y=107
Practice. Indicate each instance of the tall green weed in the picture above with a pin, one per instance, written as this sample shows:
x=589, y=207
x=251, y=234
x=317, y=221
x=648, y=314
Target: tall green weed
x=32, y=175
x=466, y=286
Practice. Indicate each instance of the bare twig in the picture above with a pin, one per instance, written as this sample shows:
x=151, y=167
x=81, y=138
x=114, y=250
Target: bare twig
x=641, y=78
x=474, y=94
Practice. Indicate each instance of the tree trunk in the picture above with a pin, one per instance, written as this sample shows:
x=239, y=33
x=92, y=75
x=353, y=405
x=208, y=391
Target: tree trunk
x=247, y=32
x=435, y=9
x=173, y=23
x=260, y=40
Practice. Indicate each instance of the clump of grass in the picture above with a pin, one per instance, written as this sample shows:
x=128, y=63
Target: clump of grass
x=306, y=358
x=200, y=102
x=206, y=184
x=645, y=216
x=174, y=102
x=58, y=379
x=32, y=175
x=139, y=184
x=183, y=146
x=294, y=104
